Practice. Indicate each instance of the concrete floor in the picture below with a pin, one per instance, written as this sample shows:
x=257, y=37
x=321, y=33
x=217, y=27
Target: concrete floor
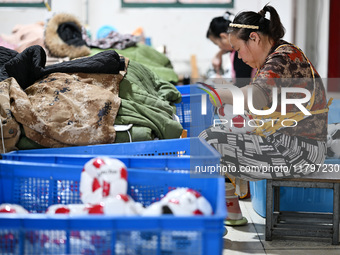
x=250, y=239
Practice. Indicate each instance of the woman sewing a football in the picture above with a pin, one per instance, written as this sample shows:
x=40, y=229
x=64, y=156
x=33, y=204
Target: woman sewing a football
x=297, y=146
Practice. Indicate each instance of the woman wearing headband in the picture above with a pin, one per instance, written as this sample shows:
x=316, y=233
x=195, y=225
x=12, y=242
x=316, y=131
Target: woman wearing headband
x=217, y=34
x=283, y=145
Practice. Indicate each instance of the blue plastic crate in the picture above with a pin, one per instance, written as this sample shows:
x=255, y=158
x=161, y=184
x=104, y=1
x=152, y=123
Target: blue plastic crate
x=292, y=199
x=172, y=154
x=36, y=186
x=189, y=110
x=299, y=199
x=334, y=112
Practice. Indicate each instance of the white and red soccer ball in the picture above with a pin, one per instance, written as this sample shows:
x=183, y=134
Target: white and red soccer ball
x=239, y=124
x=180, y=202
x=119, y=205
x=12, y=208
x=72, y=209
x=102, y=177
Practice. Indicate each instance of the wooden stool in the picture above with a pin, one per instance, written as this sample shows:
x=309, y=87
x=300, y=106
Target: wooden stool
x=307, y=224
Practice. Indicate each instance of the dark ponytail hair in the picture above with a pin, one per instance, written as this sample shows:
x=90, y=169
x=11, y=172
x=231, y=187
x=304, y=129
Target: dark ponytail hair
x=219, y=25
x=272, y=28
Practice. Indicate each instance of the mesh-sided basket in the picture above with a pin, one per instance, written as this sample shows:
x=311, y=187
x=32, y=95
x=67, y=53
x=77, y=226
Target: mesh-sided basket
x=172, y=154
x=35, y=186
x=195, y=111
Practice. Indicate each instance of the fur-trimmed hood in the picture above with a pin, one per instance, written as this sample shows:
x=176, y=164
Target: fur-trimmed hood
x=63, y=37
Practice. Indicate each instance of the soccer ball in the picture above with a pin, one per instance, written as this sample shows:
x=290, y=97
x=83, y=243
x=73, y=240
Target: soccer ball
x=180, y=202
x=12, y=208
x=333, y=140
x=102, y=177
x=119, y=205
x=238, y=124
x=78, y=209
x=186, y=201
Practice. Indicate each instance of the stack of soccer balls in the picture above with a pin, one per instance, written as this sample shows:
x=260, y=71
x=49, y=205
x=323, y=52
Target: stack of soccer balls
x=104, y=190
x=333, y=140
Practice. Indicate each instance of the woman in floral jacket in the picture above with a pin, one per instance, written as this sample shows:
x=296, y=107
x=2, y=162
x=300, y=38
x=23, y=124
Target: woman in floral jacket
x=283, y=145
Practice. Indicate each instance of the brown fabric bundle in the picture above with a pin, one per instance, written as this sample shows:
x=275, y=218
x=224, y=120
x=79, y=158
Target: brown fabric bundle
x=10, y=132
x=68, y=109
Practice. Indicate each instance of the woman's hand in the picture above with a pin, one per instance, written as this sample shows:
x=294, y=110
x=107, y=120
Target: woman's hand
x=217, y=64
x=217, y=61
x=226, y=96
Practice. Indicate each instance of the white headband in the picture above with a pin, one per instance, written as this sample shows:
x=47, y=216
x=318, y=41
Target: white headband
x=243, y=26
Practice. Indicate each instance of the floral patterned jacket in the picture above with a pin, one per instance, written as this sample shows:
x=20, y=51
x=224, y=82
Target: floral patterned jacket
x=287, y=66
